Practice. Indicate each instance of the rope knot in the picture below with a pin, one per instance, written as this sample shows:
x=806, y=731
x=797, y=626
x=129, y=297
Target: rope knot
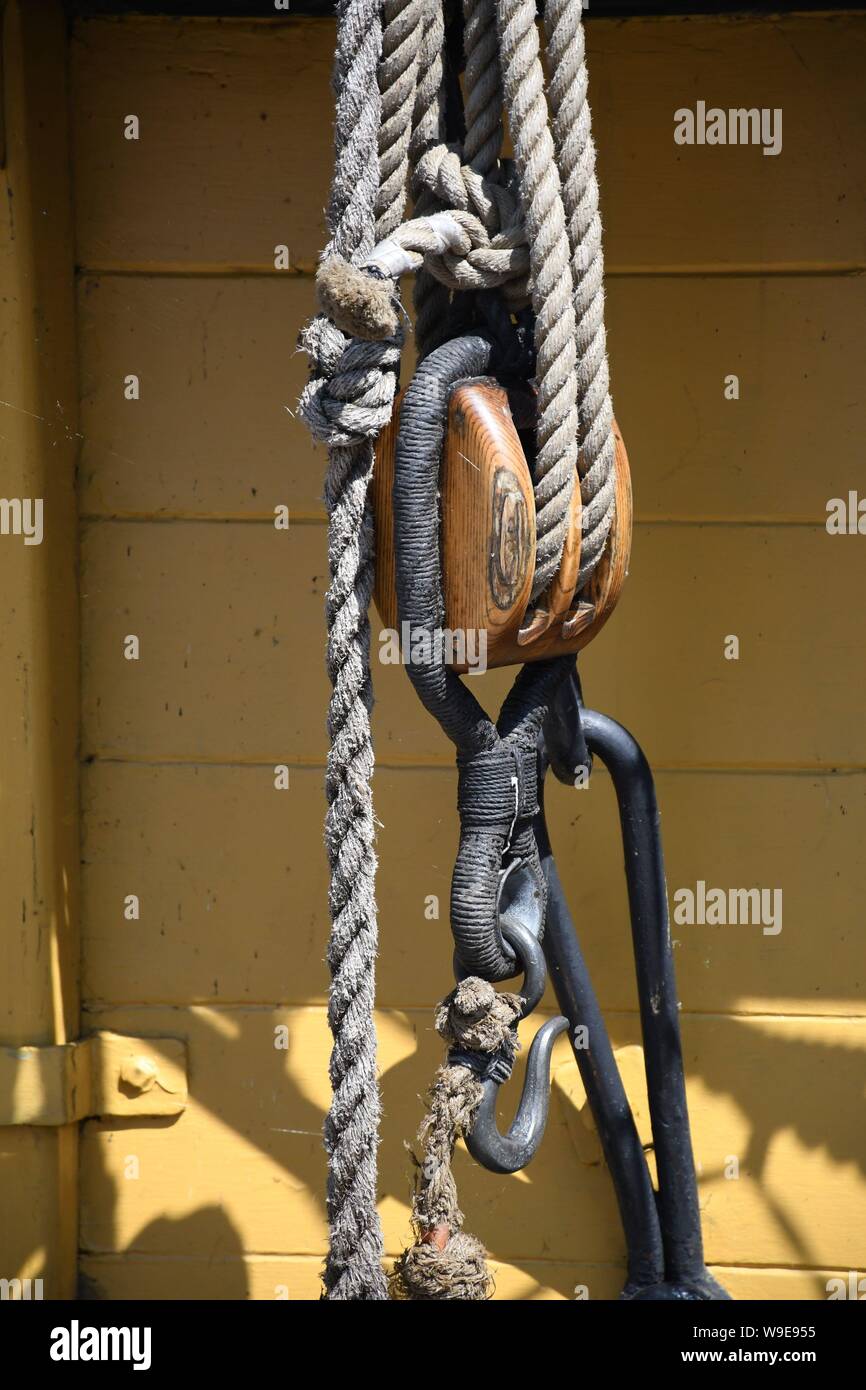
x=428, y=1272
x=352, y=385
x=476, y=1018
x=458, y=187
x=445, y=1262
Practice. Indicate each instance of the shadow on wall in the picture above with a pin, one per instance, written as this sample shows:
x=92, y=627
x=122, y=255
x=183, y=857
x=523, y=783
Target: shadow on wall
x=282, y=1169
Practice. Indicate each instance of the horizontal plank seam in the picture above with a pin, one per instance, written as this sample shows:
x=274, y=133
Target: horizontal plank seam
x=416, y=764
x=100, y=1006
x=305, y=270
x=132, y=1256
x=310, y=518
x=743, y=17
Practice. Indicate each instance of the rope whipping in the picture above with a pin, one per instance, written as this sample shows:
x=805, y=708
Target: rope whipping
x=489, y=238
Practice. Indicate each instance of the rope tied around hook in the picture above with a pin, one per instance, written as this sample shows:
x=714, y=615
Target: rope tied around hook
x=446, y=1262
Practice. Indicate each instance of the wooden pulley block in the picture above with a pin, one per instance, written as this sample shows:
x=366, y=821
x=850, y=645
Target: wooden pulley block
x=487, y=514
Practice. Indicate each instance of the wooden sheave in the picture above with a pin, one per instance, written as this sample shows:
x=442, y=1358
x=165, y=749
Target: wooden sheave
x=487, y=513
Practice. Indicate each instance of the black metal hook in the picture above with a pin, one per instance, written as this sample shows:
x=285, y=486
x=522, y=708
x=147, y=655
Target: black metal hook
x=507, y=1153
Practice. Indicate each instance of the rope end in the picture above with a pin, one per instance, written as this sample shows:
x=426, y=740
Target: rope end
x=433, y=1271
x=361, y=305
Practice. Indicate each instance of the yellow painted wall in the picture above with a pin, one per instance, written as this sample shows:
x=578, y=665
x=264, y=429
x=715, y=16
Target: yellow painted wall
x=719, y=261
x=39, y=639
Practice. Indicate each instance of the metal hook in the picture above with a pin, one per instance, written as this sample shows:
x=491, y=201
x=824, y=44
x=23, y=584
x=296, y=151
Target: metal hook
x=506, y=1153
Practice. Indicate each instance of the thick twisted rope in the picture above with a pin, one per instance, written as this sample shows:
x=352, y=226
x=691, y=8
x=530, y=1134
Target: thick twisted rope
x=432, y=300
x=471, y=234
x=482, y=86
x=398, y=80
x=345, y=404
x=575, y=151
x=549, y=255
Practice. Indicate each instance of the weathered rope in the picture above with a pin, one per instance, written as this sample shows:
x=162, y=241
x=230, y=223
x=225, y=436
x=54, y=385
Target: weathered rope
x=345, y=404
x=455, y=246
x=541, y=196
x=539, y=235
x=431, y=299
x=482, y=86
x=575, y=152
x=445, y=1263
x=398, y=81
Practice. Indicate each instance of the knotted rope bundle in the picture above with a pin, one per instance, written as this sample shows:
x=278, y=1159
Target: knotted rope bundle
x=445, y=1262
x=529, y=229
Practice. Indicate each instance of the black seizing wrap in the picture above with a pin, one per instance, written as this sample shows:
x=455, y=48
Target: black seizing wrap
x=497, y=788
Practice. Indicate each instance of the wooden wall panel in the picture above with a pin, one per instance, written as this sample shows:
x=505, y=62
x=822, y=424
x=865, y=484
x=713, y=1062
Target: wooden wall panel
x=230, y=623
x=720, y=261
x=213, y=434
x=39, y=637
x=281, y=1277
x=250, y=1151
x=235, y=148
x=207, y=848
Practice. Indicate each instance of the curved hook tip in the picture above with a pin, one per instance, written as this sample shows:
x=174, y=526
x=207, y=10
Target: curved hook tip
x=508, y=1153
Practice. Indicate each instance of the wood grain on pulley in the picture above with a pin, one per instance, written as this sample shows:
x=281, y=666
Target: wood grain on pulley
x=487, y=513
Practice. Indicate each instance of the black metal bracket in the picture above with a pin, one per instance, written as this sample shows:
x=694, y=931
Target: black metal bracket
x=663, y=1228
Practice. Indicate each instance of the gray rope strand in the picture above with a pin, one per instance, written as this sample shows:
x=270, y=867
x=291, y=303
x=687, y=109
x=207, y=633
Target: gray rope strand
x=572, y=133
x=431, y=299
x=354, y=1264
x=482, y=86
x=550, y=262
x=398, y=77
x=345, y=403
x=428, y=121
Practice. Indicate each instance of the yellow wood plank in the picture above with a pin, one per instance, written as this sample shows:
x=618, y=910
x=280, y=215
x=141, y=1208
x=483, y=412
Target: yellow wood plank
x=230, y=623
x=281, y=1277
x=212, y=434
x=39, y=1174
x=220, y=102
x=38, y=626
x=235, y=140
x=206, y=847
x=779, y=1096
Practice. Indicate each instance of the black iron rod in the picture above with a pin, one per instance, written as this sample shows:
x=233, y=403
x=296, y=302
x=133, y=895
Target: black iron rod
x=620, y=1141
x=647, y=892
